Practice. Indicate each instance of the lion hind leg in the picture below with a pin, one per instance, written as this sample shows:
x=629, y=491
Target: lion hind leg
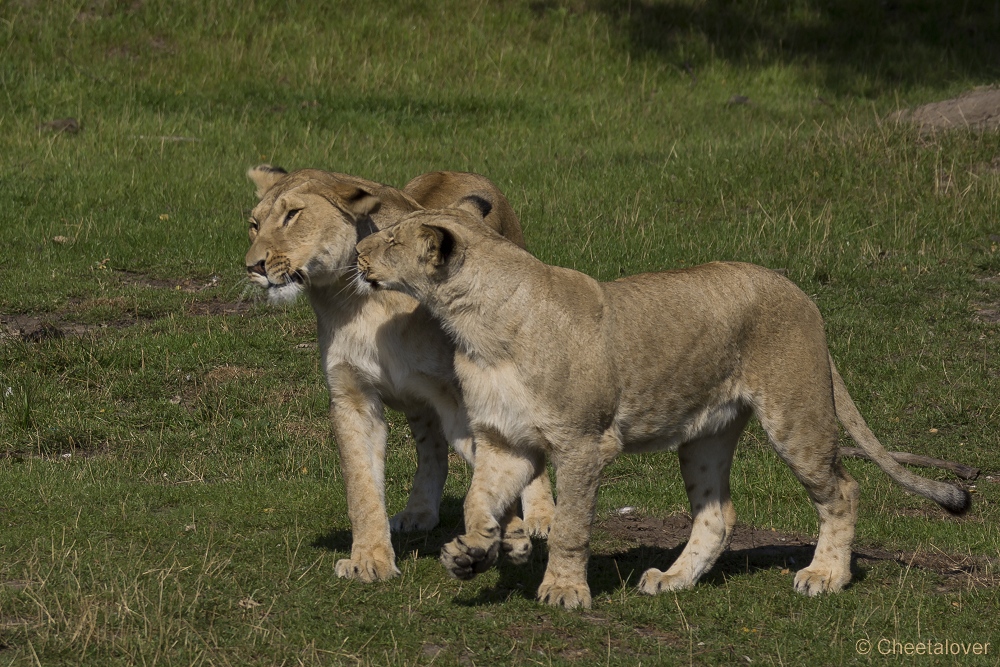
x=809, y=447
x=422, y=507
x=705, y=466
x=836, y=502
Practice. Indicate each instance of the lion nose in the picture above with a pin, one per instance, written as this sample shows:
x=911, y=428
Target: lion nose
x=258, y=268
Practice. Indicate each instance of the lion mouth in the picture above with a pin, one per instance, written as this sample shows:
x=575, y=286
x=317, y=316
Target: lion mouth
x=284, y=292
x=363, y=282
x=258, y=273
x=291, y=279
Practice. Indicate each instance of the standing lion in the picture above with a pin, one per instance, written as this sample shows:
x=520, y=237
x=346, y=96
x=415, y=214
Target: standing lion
x=379, y=349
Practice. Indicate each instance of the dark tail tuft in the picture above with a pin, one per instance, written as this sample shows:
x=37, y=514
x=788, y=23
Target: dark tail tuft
x=958, y=503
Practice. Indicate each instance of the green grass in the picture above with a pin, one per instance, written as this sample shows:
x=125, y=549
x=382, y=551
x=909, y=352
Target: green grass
x=170, y=490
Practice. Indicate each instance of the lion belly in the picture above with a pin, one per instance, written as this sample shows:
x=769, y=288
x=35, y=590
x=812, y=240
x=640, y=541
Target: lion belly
x=665, y=435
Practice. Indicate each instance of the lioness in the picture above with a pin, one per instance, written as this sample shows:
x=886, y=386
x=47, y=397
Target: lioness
x=377, y=348
x=551, y=360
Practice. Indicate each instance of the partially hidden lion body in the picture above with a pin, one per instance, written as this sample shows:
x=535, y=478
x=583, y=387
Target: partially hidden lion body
x=379, y=349
x=551, y=360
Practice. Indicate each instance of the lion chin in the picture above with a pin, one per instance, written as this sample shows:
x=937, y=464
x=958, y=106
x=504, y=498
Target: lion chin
x=361, y=285
x=284, y=294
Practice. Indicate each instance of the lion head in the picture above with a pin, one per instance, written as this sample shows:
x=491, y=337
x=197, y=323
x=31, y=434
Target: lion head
x=304, y=229
x=308, y=222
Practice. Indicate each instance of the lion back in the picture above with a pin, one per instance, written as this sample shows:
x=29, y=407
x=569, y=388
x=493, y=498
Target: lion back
x=443, y=189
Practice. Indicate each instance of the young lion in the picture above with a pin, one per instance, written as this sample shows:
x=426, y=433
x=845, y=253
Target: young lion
x=551, y=360
x=377, y=349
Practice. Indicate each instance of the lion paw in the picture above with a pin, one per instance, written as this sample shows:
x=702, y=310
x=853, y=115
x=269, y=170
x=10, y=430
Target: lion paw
x=409, y=521
x=538, y=523
x=516, y=546
x=813, y=581
x=569, y=596
x=366, y=568
x=464, y=559
x=654, y=581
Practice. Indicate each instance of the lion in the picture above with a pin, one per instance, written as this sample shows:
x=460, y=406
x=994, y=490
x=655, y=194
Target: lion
x=379, y=349
x=552, y=362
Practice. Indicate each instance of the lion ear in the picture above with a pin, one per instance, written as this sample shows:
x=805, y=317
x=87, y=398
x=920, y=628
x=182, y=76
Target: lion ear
x=264, y=176
x=476, y=205
x=357, y=200
x=440, y=246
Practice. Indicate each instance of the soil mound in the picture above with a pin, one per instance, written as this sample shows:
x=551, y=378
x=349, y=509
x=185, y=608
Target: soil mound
x=977, y=109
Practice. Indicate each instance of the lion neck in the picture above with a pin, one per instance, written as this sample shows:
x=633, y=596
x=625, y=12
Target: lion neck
x=338, y=303
x=486, y=303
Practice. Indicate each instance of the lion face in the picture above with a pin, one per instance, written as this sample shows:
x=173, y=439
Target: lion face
x=304, y=230
x=414, y=255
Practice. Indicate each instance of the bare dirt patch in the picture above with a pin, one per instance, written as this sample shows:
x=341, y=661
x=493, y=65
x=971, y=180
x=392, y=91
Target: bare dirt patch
x=988, y=168
x=38, y=328
x=61, y=125
x=977, y=109
x=188, y=285
x=673, y=531
x=988, y=312
x=53, y=326
x=214, y=306
x=195, y=388
x=758, y=548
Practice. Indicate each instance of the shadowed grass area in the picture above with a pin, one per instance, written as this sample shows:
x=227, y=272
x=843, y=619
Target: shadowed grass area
x=854, y=48
x=170, y=489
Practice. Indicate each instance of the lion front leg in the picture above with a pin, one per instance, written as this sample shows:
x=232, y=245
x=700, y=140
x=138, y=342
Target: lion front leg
x=360, y=431
x=498, y=478
x=565, y=581
x=537, y=504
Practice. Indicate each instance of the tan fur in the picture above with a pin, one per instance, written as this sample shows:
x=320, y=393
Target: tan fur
x=552, y=362
x=377, y=349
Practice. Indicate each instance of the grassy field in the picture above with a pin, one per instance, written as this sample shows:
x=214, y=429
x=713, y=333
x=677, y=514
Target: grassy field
x=169, y=490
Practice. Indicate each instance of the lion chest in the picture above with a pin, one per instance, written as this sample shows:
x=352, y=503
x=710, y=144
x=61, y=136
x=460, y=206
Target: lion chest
x=497, y=399
x=390, y=352
x=382, y=371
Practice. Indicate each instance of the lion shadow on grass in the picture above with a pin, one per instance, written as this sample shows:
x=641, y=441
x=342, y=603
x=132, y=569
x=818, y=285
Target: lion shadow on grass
x=626, y=546
x=611, y=572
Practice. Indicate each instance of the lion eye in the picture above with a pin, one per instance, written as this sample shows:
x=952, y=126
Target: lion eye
x=290, y=216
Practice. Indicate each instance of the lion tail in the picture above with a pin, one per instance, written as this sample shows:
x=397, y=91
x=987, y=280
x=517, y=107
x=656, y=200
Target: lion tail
x=949, y=496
